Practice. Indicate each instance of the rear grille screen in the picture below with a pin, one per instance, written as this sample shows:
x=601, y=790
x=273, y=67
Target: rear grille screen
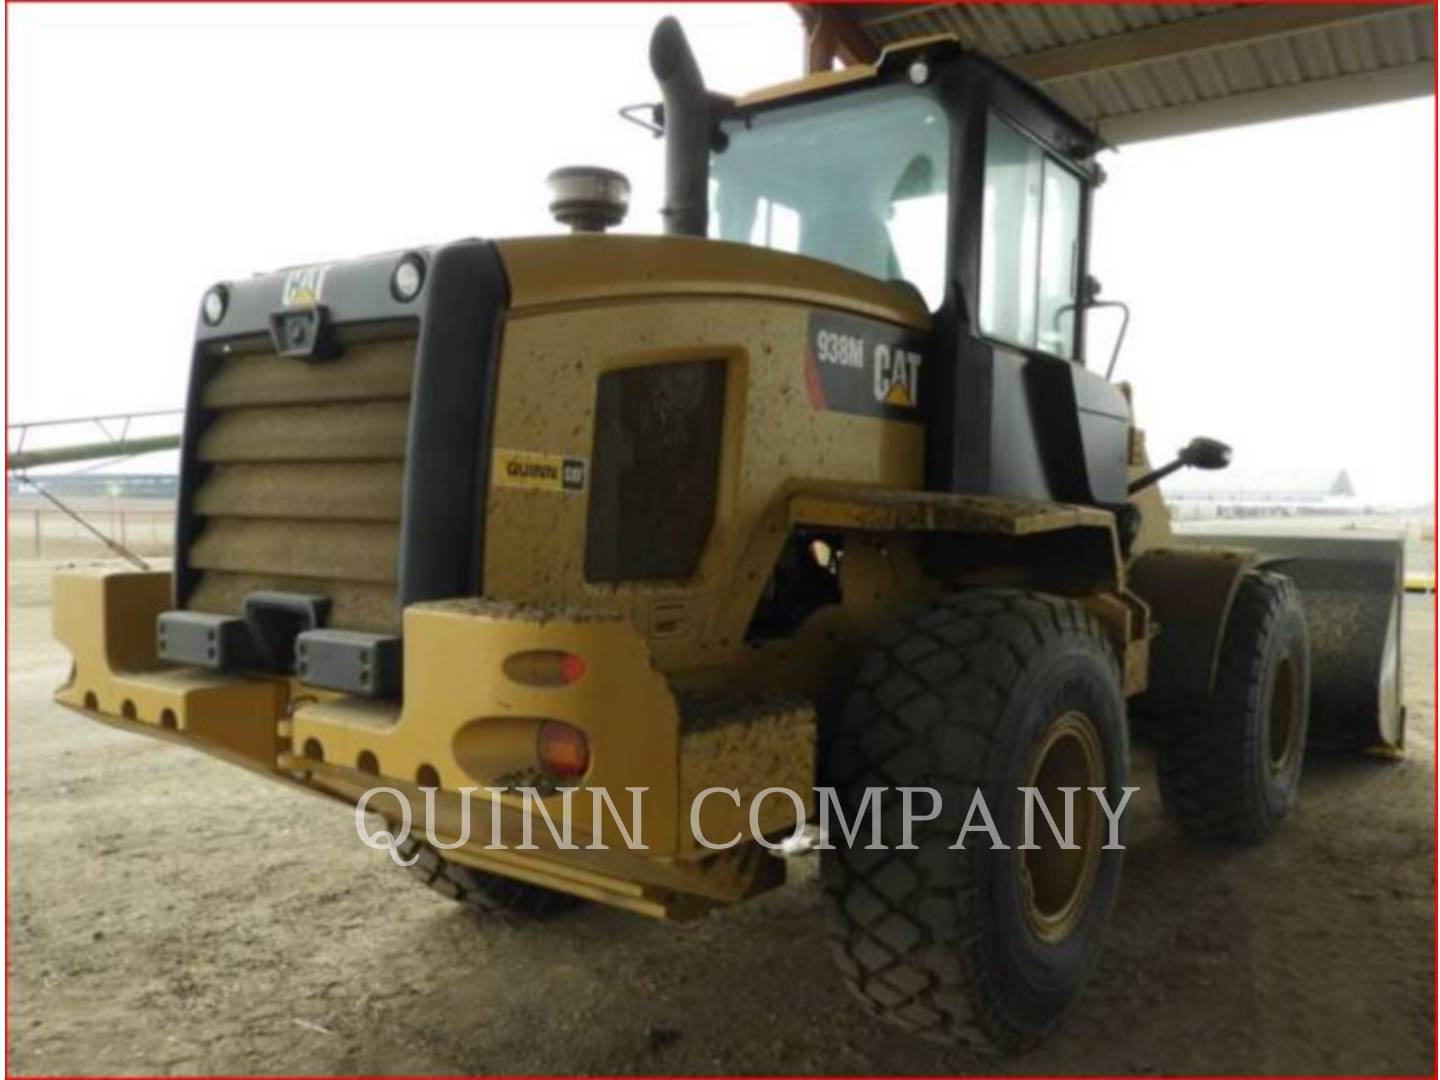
x=302, y=467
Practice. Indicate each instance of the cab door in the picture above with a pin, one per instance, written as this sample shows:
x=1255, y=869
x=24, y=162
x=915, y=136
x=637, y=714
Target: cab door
x=1036, y=423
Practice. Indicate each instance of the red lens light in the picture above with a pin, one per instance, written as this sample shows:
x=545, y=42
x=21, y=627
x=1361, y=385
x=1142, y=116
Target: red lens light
x=572, y=669
x=563, y=750
x=545, y=667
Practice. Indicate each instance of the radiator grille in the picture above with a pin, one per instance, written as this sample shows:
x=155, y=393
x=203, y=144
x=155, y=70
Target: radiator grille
x=303, y=478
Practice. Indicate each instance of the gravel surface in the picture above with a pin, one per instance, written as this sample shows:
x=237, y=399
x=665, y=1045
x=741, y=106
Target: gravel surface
x=171, y=914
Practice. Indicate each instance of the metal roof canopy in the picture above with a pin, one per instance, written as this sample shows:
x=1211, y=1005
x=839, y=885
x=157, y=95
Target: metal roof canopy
x=1147, y=71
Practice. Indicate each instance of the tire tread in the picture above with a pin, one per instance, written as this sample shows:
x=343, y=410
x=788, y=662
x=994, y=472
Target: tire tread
x=1208, y=754
x=901, y=929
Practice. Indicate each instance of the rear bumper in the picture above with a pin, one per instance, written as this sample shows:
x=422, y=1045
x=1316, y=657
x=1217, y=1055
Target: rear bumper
x=107, y=622
x=466, y=723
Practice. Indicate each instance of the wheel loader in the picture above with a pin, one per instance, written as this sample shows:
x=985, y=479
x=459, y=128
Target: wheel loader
x=819, y=492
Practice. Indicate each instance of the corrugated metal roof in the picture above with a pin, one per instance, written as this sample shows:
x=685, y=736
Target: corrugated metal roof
x=1140, y=71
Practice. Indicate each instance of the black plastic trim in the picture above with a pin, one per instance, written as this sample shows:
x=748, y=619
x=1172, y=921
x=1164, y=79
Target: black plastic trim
x=369, y=665
x=202, y=640
x=447, y=452
x=459, y=313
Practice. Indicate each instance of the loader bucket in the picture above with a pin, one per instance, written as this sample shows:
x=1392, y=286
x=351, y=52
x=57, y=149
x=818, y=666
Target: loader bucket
x=1353, y=590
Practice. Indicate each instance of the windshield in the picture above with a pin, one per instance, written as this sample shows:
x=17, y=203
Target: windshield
x=859, y=180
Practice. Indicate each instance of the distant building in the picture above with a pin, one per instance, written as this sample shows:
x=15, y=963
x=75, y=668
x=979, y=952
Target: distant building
x=101, y=485
x=1236, y=492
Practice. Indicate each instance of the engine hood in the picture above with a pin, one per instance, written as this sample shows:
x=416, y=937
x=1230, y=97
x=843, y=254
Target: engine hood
x=560, y=270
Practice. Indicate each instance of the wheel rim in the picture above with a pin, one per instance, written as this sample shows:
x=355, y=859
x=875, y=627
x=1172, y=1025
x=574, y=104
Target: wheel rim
x=1057, y=882
x=1284, y=717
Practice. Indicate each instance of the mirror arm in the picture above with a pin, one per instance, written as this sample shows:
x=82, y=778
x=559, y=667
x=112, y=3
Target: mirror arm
x=1154, y=476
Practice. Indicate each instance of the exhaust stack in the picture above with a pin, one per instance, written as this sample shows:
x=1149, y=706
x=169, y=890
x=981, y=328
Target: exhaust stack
x=687, y=130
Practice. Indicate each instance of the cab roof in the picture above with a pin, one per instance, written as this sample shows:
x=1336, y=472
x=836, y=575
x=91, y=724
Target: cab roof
x=894, y=55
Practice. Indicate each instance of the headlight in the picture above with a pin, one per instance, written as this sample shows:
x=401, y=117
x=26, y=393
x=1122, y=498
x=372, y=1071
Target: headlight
x=214, y=304
x=409, y=276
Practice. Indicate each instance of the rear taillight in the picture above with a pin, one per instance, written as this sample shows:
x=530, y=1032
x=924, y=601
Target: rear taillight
x=545, y=667
x=563, y=750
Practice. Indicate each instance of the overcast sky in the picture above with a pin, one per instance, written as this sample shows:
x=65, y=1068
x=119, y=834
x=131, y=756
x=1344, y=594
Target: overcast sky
x=1281, y=275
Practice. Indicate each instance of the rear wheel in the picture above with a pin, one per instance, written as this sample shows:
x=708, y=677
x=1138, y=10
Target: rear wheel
x=990, y=691
x=479, y=890
x=1230, y=769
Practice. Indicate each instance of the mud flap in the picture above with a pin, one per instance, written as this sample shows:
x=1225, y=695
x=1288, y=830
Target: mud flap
x=1352, y=587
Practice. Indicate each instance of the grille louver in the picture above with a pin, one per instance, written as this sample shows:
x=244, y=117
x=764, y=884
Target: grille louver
x=303, y=481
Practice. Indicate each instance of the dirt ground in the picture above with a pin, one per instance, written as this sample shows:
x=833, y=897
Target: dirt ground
x=171, y=914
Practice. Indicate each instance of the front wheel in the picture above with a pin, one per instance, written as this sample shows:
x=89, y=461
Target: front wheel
x=1230, y=766
x=990, y=691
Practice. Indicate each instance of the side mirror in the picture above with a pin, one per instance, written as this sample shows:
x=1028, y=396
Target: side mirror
x=1203, y=453
x=1200, y=453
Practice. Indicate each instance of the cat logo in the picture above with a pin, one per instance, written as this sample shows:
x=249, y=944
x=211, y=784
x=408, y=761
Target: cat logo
x=897, y=377
x=303, y=286
x=863, y=367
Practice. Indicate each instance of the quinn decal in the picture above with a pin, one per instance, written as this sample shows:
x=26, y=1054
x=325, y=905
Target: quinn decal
x=868, y=368
x=303, y=286
x=539, y=472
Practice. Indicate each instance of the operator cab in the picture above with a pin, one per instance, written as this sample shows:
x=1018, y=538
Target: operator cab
x=940, y=170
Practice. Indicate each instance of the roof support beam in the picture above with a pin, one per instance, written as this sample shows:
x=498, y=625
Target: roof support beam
x=831, y=31
x=1236, y=26
x=820, y=47
x=1278, y=103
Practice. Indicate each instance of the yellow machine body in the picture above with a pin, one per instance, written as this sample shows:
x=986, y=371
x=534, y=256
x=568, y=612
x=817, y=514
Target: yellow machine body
x=674, y=699
x=305, y=428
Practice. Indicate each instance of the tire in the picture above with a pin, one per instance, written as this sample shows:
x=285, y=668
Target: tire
x=490, y=893
x=952, y=945
x=1230, y=768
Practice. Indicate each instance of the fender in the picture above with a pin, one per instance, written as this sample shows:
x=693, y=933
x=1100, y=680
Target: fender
x=1189, y=591
x=992, y=540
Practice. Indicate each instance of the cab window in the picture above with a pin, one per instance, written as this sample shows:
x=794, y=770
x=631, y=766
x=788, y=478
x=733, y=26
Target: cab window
x=861, y=180
x=1030, y=243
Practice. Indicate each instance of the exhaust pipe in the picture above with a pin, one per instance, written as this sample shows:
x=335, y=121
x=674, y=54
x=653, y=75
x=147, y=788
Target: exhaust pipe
x=687, y=131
